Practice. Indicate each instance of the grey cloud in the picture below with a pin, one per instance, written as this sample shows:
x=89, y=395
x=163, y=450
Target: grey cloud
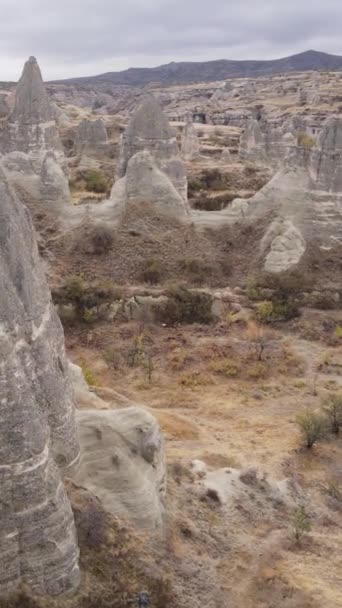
x=92, y=34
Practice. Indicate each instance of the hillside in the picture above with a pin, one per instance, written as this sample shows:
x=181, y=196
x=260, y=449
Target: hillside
x=189, y=72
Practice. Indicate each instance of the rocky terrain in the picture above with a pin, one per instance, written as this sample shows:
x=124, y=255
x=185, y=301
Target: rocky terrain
x=180, y=444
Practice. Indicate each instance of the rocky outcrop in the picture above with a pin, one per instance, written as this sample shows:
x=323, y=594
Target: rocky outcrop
x=265, y=142
x=146, y=184
x=38, y=440
x=149, y=130
x=326, y=158
x=253, y=142
x=190, y=144
x=122, y=463
x=91, y=137
x=30, y=139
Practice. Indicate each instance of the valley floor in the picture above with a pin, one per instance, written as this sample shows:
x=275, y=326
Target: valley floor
x=216, y=402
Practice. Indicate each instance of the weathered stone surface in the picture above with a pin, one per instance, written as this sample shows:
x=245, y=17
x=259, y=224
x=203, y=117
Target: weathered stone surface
x=265, y=142
x=123, y=463
x=190, y=144
x=149, y=130
x=38, y=543
x=146, y=183
x=326, y=159
x=91, y=136
x=31, y=130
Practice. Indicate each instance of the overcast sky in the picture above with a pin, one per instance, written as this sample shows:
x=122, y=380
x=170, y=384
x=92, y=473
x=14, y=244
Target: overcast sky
x=86, y=37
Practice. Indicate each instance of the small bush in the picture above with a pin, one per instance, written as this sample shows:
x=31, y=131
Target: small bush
x=197, y=271
x=95, y=182
x=86, y=299
x=333, y=489
x=300, y=523
x=194, y=186
x=88, y=374
x=101, y=239
x=151, y=271
x=311, y=426
x=193, y=379
x=323, y=301
x=271, y=312
x=338, y=332
x=184, y=306
x=332, y=407
x=305, y=141
x=224, y=367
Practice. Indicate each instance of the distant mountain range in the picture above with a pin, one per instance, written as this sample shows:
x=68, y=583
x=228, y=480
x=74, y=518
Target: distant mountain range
x=207, y=71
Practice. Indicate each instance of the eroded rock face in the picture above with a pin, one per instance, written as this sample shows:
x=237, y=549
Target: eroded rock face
x=190, y=144
x=123, y=464
x=149, y=130
x=91, y=136
x=265, y=142
x=326, y=159
x=31, y=130
x=146, y=183
x=38, y=439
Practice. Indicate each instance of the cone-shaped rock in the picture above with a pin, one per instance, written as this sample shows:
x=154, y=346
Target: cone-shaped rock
x=327, y=158
x=149, y=130
x=190, y=144
x=29, y=138
x=91, y=136
x=31, y=125
x=38, y=545
x=31, y=104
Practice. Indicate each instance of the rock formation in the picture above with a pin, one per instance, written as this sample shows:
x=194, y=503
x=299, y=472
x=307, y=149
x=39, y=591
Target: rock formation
x=190, y=144
x=91, y=137
x=302, y=204
x=326, y=159
x=145, y=184
x=122, y=463
x=149, y=130
x=265, y=142
x=38, y=440
x=252, y=142
x=29, y=136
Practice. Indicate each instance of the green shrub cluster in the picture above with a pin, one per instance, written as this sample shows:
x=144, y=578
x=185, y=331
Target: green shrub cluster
x=185, y=307
x=315, y=425
x=305, y=141
x=151, y=271
x=95, y=182
x=86, y=299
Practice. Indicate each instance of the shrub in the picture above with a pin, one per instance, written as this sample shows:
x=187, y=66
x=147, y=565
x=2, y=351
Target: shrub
x=271, y=312
x=101, y=239
x=151, y=271
x=259, y=339
x=311, y=426
x=95, y=182
x=301, y=523
x=207, y=203
x=84, y=297
x=305, y=140
x=224, y=367
x=338, y=332
x=333, y=489
x=88, y=374
x=213, y=179
x=198, y=272
x=332, y=407
x=194, y=185
x=184, y=306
